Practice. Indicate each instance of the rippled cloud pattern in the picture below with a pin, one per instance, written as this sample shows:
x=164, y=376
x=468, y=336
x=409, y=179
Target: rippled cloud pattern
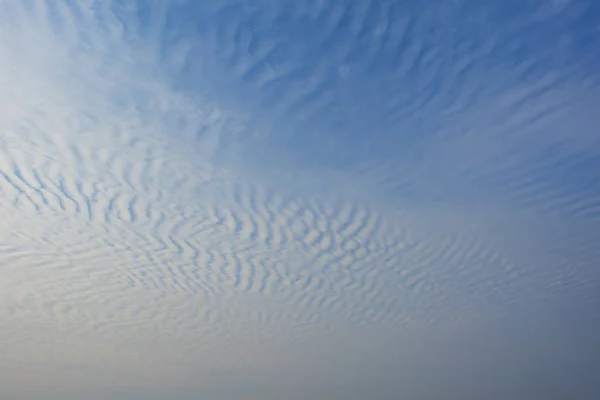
x=308, y=199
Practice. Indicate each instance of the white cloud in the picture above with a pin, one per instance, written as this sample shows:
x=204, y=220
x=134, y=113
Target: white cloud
x=190, y=203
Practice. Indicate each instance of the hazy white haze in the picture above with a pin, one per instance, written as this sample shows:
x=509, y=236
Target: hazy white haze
x=307, y=199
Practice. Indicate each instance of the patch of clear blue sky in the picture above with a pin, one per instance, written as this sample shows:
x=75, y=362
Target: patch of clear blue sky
x=384, y=86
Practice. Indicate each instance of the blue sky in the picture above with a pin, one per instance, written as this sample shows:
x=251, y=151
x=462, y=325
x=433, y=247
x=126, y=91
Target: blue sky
x=243, y=199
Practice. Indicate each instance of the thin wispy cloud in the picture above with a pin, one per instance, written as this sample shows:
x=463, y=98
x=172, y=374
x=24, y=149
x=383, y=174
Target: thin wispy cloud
x=311, y=199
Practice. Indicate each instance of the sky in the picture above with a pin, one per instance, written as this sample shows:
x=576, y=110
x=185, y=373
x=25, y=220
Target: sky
x=324, y=199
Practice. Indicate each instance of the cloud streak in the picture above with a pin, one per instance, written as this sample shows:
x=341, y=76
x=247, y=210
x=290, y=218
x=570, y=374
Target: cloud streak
x=252, y=199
